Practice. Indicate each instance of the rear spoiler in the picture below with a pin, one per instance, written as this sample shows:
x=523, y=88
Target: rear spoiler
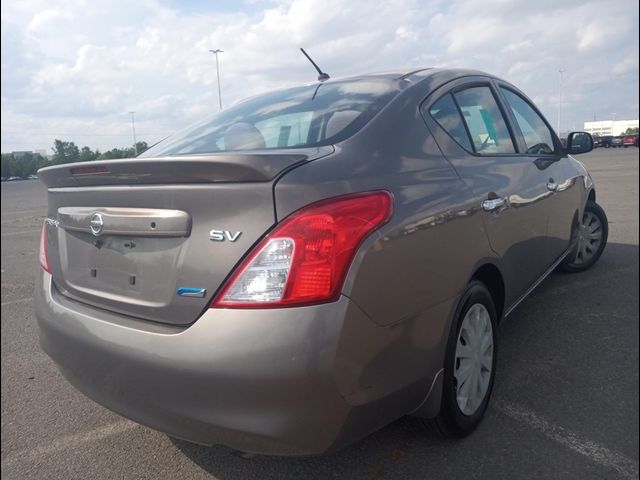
x=253, y=166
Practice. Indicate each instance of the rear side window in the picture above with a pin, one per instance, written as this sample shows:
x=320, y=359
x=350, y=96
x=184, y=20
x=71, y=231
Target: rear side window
x=537, y=136
x=484, y=121
x=307, y=116
x=445, y=112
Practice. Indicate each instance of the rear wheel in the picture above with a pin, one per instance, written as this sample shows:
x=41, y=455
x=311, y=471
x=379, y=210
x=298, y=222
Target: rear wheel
x=469, y=365
x=590, y=238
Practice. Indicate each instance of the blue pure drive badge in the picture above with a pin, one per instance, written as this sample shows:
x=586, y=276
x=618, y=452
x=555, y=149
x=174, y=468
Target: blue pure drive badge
x=191, y=292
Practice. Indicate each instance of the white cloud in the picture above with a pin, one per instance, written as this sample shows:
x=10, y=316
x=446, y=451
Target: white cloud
x=76, y=68
x=600, y=33
x=626, y=66
x=46, y=18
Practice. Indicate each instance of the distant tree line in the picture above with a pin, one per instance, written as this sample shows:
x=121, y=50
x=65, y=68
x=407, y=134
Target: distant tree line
x=27, y=163
x=23, y=166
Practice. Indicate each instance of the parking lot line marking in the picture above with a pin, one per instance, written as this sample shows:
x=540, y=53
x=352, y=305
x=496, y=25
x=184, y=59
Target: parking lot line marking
x=20, y=300
x=21, y=255
x=70, y=442
x=14, y=234
x=597, y=453
x=17, y=212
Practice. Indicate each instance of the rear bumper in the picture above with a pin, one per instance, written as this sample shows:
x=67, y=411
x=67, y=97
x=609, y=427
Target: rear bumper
x=287, y=382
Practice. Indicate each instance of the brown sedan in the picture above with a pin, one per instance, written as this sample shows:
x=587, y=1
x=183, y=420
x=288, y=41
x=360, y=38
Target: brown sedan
x=311, y=264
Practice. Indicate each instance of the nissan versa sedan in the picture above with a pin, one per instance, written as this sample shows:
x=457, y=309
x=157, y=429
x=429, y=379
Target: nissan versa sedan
x=311, y=264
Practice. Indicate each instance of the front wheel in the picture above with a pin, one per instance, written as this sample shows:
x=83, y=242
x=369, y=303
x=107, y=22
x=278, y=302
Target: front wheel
x=590, y=238
x=470, y=364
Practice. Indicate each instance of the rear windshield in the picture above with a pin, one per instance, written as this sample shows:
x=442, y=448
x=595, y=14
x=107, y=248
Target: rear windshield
x=308, y=116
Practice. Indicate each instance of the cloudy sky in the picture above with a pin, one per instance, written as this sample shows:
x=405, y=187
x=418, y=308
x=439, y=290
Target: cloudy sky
x=73, y=69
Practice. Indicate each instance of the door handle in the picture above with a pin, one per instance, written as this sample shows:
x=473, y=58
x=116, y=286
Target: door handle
x=552, y=186
x=494, y=204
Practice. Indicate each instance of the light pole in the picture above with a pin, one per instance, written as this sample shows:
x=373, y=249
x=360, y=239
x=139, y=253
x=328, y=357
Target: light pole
x=216, y=52
x=133, y=128
x=561, y=71
x=613, y=121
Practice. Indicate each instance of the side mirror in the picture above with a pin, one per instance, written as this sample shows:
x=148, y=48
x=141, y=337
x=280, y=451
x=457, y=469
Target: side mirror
x=579, y=142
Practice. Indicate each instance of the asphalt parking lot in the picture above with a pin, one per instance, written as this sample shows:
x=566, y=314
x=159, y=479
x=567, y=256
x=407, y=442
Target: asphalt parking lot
x=565, y=403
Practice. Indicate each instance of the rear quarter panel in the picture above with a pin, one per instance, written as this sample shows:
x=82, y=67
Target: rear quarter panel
x=427, y=252
x=407, y=275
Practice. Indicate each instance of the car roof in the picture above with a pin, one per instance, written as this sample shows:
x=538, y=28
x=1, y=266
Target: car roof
x=416, y=72
x=413, y=76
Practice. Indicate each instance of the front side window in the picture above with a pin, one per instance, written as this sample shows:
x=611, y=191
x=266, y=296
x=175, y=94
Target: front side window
x=307, y=116
x=537, y=136
x=484, y=121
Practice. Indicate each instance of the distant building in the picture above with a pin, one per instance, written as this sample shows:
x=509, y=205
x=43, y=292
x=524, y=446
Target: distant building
x=609, y=127
x=27, y=153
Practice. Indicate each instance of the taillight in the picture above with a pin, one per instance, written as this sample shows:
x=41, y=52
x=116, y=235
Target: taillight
x=43, y=257
x=305, y=258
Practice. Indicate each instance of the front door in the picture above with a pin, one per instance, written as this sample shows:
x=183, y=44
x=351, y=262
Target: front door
x=567, y=188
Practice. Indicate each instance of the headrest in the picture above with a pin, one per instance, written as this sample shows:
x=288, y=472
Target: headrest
x=339, y=121
x=243, y=136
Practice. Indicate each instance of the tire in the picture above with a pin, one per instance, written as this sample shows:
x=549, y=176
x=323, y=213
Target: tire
x=454, y=420
x=581, y=259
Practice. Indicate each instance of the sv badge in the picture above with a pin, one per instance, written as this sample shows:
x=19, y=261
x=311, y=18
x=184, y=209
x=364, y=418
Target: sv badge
x=222, y=235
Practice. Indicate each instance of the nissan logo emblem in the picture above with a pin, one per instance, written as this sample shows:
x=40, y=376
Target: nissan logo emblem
x=96, y=223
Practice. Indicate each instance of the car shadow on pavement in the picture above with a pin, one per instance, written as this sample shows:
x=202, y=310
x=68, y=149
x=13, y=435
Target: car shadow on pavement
x=372, y=457
x=382, y=453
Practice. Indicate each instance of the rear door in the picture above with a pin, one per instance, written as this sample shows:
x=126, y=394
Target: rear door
x=511, y=189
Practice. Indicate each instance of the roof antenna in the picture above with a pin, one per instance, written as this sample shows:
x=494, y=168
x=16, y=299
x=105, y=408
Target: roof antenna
x=321, y=75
